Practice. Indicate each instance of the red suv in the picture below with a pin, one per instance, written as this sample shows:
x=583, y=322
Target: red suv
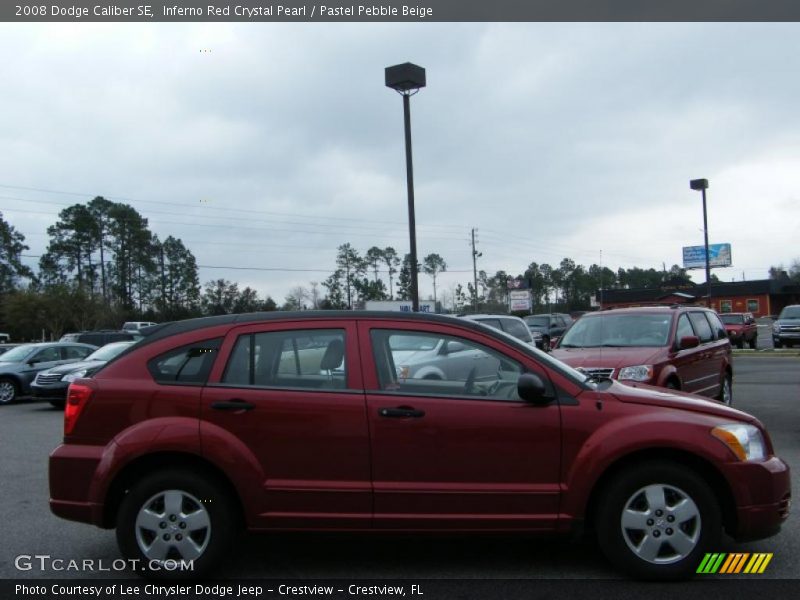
x=307, y=421
x=741, y=328
x=679, y=347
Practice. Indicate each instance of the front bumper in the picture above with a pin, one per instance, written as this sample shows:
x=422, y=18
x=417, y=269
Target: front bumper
x=762, y=491
x=56, y=391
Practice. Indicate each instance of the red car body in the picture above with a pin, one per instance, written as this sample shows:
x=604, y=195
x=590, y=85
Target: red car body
x=741, y=328
x=361, y=454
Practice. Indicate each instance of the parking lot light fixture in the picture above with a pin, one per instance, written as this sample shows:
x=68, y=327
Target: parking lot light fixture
x=701, y=185
x=407, y=79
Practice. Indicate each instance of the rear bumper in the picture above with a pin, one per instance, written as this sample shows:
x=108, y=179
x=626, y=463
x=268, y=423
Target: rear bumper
x=763, y=492
x=72, y=475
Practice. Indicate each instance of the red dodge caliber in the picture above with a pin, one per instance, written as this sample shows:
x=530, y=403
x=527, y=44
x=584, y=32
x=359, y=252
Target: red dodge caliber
x=399, y=422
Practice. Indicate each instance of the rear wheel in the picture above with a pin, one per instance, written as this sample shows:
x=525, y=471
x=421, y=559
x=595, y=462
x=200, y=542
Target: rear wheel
x=8, y=390
x=657, y=519
x=726, y=390
x=172, y=516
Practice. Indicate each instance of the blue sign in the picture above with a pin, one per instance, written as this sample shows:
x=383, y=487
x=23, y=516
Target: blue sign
x=719, y=255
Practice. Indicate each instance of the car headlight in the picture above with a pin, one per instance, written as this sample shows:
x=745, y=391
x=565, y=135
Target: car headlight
x=637, y=373
x=745, y=441
x=70, y=377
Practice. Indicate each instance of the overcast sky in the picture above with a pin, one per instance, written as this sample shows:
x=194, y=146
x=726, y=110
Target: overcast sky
x=268, y=145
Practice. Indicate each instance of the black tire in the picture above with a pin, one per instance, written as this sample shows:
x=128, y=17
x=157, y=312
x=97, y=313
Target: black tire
x=201, y=496
x=627, y=547
x=726, y=388
x=9, y=390
x=753, y=343
x=673, y=385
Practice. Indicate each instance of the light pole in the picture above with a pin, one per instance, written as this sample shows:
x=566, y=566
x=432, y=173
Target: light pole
x=407, y=79
x=701, y=185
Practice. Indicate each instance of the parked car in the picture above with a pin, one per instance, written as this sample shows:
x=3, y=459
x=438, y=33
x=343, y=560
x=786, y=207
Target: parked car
x=52, y=384
x=679, y=347
x=102, y=337
x=786, y=329
x=136, y=325
x=741, y=328
x=203, y=427
x=551, y=326
x=511, y=325
x=20, y=365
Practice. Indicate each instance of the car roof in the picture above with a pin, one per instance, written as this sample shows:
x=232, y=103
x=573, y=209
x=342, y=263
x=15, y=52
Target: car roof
x=169, y=329
x=489, y=316
x=648, y=309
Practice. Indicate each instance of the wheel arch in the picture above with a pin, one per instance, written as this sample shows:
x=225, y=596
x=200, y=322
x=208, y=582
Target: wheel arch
x=150, y=463
x=697, y=464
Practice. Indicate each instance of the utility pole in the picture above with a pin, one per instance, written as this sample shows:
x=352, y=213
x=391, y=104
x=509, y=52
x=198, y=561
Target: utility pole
x=475, y=255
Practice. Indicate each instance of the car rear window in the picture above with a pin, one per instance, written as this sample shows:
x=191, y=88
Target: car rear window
x=517, y=329
x=186, y=365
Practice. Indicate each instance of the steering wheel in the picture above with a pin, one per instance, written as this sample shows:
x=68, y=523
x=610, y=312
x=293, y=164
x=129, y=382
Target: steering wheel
x=469, y=384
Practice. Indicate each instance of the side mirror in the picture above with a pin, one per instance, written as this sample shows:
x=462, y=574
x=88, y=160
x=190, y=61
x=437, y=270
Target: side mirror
x=531, y=388
x=689, y=341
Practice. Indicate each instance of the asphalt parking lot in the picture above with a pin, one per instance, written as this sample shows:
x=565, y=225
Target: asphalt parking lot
x=765, y=384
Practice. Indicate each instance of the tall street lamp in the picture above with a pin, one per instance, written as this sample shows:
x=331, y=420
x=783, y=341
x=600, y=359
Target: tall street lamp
x=407, y=79
x=701, y=185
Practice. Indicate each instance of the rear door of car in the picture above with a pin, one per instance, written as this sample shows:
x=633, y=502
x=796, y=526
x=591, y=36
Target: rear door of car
x=277, y=392
x=709, y=356
x=458, y=453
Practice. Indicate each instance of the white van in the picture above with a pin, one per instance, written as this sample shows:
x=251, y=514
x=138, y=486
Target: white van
x=136, y=325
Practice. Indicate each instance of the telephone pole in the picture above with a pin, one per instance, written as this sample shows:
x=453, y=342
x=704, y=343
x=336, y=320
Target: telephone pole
x=475, y=255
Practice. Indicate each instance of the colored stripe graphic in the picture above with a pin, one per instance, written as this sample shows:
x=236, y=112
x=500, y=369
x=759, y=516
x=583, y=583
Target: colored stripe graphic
x=722, y=563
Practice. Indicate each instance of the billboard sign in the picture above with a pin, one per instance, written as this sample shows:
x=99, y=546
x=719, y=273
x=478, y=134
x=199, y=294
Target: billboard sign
x=519, y=300
x=694, y=257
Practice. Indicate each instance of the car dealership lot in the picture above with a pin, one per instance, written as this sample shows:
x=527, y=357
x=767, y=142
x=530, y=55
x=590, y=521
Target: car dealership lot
x=767, y=386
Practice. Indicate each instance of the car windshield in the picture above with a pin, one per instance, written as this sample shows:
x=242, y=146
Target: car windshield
x=109, y=351
x=732, y=319
x=618, y=331
x=790, y=312
x=412, y=342
x=18, y=354
x=537, y=321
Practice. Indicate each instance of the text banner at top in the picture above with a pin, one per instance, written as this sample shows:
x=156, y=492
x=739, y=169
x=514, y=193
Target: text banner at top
x=401, y=11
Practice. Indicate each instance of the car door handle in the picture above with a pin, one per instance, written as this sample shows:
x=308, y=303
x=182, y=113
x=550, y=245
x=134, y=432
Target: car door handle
x=401, y=413
x=233, y=405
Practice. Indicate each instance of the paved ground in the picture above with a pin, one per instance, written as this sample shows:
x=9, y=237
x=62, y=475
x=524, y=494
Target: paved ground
x=767, y=386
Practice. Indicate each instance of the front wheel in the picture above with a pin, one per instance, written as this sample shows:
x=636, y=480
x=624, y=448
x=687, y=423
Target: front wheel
x=657, y=520
x=8, y=390
x=175, y=517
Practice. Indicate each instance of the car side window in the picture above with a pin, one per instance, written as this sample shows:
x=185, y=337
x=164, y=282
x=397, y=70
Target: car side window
x=684, y=328
x=717, y=326
x=701, y=326
x=71, y=352
x=186, y=365
x=48, y=355
x=517, y=329
x=430, y=368
x=305, y=359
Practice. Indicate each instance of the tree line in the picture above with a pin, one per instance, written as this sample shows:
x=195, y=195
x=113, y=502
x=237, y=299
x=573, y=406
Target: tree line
x=103, y=266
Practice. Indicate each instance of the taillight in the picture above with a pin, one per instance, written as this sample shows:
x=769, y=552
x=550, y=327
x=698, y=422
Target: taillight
x=78, y=396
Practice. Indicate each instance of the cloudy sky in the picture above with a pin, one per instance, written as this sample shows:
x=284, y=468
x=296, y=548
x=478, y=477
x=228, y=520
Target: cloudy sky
x=265, y=146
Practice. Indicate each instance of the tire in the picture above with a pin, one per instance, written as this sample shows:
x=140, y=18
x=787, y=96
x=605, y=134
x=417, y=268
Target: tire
x=199, y=505
x=9, y=390
x=740, y=344
x=673, y=385
x=753, y=343
x=652, y=497
x=726, y=390
x=777, y=344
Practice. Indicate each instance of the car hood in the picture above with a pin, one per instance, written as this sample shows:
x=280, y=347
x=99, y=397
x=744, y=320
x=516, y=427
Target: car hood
x=640, y=393
x=788, y=321
x=75, y=366
x=610, y=358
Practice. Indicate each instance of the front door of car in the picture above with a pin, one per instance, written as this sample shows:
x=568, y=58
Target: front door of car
x=44, y=359
x=289, y=398
x=458, y=453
